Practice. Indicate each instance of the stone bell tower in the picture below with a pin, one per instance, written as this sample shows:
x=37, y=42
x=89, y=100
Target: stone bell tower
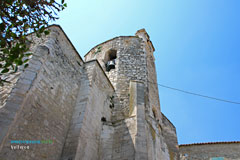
x=125, y=59
x=128, y=62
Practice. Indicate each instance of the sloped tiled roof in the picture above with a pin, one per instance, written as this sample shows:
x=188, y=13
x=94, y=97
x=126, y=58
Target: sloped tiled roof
x=227, y=142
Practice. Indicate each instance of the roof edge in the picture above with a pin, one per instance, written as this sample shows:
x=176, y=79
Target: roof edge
x=95, y=60
x=163, y=115
x=109, y=41
x=58, y=26
x=206, y=143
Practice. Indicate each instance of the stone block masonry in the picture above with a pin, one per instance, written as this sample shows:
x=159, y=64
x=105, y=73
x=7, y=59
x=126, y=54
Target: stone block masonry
x=89, y=110
x=135, y=99
x=104, y=108
x=210, y=151
x=92, y=105
x=41, y=101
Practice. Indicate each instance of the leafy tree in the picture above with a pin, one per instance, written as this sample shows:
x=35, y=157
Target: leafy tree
x=17, y=19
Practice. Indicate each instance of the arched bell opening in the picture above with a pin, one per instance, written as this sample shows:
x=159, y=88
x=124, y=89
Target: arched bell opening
x=110, y=59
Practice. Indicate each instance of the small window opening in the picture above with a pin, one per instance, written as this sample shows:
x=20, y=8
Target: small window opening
x=103, y=119
x=111, y=57
x=111, y=102
x=111, y=106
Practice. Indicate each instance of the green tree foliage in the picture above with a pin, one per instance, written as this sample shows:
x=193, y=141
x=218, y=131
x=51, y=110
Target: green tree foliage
x=17, y=19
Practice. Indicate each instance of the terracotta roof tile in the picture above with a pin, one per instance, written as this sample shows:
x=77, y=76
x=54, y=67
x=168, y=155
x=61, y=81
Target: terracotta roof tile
x=230, y=142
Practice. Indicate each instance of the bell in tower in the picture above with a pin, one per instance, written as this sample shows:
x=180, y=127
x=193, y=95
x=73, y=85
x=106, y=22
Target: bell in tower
x=112, y=55
x=110, y=65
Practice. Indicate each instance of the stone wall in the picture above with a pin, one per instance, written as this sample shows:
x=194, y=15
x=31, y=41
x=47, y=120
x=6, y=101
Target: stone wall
x=153, y=102
x=134, y=62
x=210, y=151
x=7, y=88
x=7, y=114
x=130, y=65
x=87, y=111
x=170, y=137
x=83, y=140
x=40, y=105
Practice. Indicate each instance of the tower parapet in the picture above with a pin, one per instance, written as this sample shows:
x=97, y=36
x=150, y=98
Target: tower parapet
x=146, y=38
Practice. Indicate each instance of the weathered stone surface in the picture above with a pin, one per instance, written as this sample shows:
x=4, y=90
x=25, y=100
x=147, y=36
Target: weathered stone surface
x=170, y=137
x=210, y=151
x=89, y=110
x=92, y=104
x=134, y=66
x=42, y=100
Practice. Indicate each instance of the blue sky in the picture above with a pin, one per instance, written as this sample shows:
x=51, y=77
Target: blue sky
x=197, y=49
